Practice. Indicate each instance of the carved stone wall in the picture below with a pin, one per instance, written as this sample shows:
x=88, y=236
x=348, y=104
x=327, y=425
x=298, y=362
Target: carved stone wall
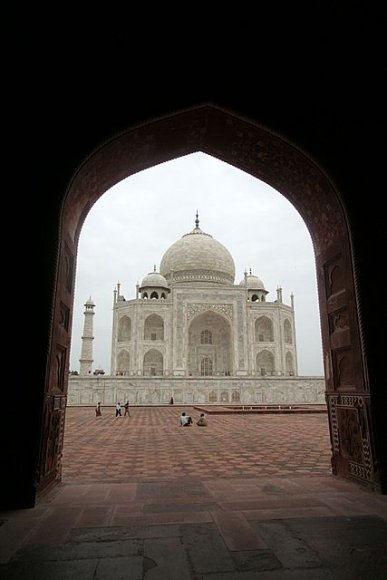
x=348, y=399
x=53, y=417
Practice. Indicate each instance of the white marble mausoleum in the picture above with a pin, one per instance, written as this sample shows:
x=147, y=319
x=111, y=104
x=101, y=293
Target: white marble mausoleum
x=191, y=333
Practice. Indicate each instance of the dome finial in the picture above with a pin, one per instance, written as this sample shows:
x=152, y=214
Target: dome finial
x=197, y=219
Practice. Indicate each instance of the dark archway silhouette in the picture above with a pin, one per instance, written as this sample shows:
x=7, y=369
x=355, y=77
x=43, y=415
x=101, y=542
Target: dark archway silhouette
x=270, y=158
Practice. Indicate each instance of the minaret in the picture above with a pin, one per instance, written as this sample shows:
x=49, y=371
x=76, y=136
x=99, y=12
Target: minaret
x=86, y=359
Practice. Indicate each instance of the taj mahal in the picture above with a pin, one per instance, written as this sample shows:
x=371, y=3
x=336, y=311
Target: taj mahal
x=194, y=336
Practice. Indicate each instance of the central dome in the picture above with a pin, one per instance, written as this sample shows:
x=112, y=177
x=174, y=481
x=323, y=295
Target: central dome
x=197, y=257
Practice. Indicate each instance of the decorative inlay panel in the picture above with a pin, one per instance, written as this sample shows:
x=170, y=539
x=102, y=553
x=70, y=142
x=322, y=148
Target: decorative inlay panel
x=64, y=316
x=339, y=321
x=349, y=423
x=60, y=365
x=336, y=282
x=359, y=471
x=332, y=402
x=350, y=436
x=343, y=366
x=69, y=268
x=52, y=440
x=194, y=309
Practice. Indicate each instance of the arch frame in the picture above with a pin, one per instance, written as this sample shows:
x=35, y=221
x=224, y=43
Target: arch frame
x=271, y=158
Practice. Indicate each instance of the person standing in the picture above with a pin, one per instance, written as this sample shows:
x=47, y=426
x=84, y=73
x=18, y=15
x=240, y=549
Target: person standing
x=126, y=407
x=98, y=410
x=118, y=410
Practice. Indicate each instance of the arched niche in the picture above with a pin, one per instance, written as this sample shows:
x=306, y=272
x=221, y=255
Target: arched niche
x=154, y=327
x=124, y=329
x=153, y=364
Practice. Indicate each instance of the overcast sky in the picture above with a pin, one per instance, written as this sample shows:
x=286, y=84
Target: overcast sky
x=127, y=232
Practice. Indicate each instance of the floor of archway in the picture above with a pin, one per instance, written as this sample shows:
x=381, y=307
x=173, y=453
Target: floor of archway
x=245, y=497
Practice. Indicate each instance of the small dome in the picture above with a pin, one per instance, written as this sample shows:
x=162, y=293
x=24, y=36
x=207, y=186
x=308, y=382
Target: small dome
x=252, y=282
x=154, y=280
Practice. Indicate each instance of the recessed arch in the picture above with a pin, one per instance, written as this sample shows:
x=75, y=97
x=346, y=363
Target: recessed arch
x=123, y=363
x=209, y=345
x=265, y=363
x=154, y=327
x=124, y=329
x=271, y=158
x=153, y=364
x=288, y=332
x=289, y=363
x=264, y=329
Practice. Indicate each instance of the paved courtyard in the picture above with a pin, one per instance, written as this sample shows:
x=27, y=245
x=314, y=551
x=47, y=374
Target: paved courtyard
x=247, y=497
x=150, y=444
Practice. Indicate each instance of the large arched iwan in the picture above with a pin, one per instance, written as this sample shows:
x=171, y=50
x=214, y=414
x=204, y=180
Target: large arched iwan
x=272, y=159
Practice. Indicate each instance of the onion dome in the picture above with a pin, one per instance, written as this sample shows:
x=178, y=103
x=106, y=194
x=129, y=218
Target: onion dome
x=154, y=285
x=154, y=280
x=252, y=282
x=198, y=257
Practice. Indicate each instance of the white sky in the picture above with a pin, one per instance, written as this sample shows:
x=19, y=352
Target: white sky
x=132, y=225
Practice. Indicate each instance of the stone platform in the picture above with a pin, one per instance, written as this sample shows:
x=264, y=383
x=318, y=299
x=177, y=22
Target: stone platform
x=248, y=409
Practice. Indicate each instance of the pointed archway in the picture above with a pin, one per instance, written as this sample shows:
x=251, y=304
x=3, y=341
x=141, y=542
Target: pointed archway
x=270, y=158
x=209, y=345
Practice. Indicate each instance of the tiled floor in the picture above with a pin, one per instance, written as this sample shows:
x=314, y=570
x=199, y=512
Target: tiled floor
x=248, y=497
x=151, y=444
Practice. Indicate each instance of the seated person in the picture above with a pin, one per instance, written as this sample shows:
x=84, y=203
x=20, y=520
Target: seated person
x=202, y=421
x=185, y=420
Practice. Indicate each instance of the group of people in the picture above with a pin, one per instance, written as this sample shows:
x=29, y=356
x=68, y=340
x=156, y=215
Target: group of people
x=119, y=409
x=98, y=412
x=186, y=420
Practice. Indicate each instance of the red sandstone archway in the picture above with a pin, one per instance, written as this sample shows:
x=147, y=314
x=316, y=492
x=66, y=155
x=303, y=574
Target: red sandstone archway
x=270, y=158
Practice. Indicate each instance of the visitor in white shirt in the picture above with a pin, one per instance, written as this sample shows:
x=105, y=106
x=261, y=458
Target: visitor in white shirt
x=185, y=420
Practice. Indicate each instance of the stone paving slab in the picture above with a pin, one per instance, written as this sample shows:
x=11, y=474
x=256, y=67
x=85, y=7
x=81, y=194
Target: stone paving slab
x=49, y=570
x=237, y=533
